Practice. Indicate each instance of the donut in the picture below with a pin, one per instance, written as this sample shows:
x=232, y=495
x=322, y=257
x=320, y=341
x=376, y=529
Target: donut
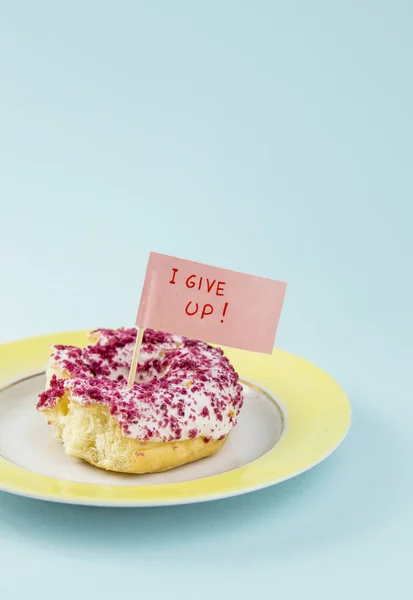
x=185, y=400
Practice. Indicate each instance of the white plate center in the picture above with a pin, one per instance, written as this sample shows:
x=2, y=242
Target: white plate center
x=27, y=440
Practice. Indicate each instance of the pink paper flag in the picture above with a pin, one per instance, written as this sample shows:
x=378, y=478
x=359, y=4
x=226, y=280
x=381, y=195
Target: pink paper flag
x=210, y=304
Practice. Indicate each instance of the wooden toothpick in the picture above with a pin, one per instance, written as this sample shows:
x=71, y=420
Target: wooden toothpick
x=135, y=357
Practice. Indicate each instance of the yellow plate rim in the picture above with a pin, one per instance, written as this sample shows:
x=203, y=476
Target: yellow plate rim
x=318, y=415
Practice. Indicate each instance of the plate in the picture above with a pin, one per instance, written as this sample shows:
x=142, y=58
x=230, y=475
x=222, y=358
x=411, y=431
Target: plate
x=294, y=416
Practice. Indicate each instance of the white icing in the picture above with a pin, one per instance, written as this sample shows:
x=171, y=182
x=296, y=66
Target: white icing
x=193, y=403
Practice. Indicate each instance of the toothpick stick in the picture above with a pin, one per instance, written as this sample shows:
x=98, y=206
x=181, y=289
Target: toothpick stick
x=135, y=357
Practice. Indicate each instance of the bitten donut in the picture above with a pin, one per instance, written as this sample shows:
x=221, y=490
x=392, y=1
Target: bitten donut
x=185, y=400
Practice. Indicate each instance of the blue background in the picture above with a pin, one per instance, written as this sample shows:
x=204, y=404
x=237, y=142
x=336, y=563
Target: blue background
x=273, y=138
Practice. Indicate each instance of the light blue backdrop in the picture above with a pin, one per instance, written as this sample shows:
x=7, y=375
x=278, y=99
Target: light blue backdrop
x=273, y=138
